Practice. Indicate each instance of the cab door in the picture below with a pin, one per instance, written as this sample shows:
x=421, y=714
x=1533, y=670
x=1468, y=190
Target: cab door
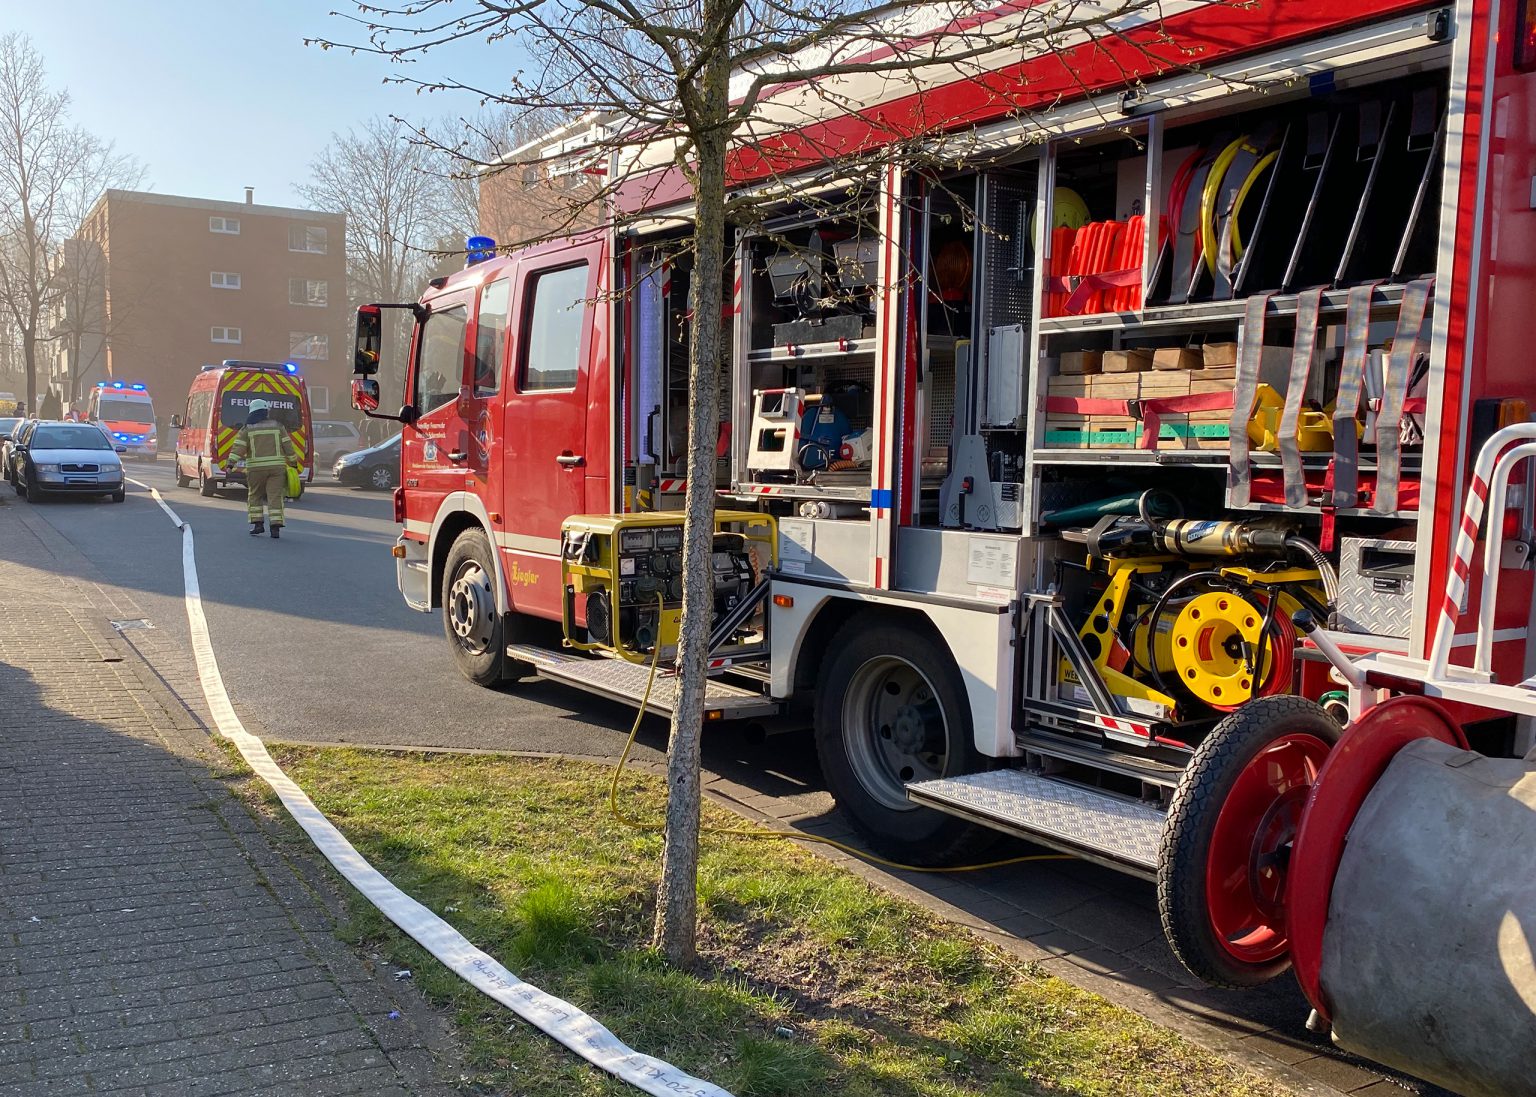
x=482, y=400
x=435, y=449
x=545, y=425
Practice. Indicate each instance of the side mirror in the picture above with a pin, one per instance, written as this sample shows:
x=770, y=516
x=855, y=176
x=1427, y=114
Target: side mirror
x=178, y=423
x=121, y=449
x=407, y=414
x=369, y=342
x=365, y=394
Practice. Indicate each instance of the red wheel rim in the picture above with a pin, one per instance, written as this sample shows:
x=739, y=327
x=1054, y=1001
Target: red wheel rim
x=1352, y=770
x=1250, y=848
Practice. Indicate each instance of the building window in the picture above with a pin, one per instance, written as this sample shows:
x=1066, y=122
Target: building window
x=309, y=345
x=319, y=399
x=308, y=291
x=223, y=279
x=225, y=335
x=313, y=238
x=228, y=225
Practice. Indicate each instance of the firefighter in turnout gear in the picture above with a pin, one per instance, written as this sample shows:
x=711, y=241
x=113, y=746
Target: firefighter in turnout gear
x=267, y=450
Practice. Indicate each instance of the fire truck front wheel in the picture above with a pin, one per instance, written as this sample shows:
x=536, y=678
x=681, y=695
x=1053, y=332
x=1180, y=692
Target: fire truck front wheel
x=891, y=710
x=475, y=630
x=1221, y=878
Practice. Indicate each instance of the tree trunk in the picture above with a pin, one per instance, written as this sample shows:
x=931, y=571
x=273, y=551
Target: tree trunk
x=29, y=358
x=677, y=897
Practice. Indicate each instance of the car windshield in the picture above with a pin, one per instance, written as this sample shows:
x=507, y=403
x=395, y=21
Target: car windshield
x=127, y=411
x=66, y=436
x=7, y=426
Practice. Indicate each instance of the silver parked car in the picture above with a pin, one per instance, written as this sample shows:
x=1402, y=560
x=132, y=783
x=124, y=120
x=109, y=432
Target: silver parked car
x=77, y=458
x=334, y=438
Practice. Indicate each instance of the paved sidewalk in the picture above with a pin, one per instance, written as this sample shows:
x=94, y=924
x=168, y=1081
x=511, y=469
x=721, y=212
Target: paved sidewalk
x=151, y=939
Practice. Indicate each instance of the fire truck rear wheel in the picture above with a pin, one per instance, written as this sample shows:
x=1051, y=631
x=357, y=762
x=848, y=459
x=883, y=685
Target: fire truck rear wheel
x=891, y=710
x=1221, y=878
x=182, y=479
x=475, y=630
x=207, y=486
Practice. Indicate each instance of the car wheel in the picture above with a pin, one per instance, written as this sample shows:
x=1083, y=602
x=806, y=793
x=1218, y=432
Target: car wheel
x=382, y=478
x=33, y=493
x=182, y=479
x=119, y=495
x=891, y=710
x=207, y=486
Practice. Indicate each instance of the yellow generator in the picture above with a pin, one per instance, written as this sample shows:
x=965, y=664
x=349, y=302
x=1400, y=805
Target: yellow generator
x=625, y=571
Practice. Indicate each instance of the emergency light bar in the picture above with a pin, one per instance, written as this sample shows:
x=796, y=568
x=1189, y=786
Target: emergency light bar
x=137, y=386
x=477, y=249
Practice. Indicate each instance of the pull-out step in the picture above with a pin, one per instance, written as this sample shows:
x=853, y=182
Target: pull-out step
x=622, y=681
x=1097, y=826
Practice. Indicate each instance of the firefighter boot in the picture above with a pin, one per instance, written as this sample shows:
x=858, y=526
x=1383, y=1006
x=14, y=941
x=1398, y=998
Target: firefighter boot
x=259, y=527
x=276, y=527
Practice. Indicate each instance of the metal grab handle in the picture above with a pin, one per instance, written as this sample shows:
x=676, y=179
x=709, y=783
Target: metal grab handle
x=457, y=455
x=570, y=460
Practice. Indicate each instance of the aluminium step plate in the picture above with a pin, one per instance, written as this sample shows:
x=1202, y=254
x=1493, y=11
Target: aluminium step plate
x=1101, y=827
x=624, y=681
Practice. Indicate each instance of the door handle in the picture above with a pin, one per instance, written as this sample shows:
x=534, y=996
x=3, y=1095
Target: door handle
x=571, y=460
x=457, y=455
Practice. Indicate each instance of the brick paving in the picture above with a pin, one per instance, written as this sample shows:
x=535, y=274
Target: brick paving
x=152, y=938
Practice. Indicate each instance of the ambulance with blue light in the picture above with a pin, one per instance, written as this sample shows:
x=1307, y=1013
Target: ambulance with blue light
x=126, y=412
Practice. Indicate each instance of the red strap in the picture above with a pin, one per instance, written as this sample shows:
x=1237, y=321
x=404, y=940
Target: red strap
x=1150, y=412
x=1325, y=541
x=1083, y=287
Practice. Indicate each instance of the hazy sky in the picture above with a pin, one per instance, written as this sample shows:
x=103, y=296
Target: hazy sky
x=217, y=95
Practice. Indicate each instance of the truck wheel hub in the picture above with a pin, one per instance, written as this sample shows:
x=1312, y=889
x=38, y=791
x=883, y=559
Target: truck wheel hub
x=470, y=609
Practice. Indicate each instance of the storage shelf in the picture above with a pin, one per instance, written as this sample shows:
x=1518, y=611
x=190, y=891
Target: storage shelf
x=1205, y=313
x=801, y=352
x=1262, y=459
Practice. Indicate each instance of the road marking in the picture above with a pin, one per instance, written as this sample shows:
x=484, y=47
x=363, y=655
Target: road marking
x=577, y=1030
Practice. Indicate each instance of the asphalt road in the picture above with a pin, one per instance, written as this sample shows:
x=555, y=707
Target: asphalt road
x=314, y=641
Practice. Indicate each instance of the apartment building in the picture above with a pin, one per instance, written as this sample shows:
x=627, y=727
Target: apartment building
x=166, y=285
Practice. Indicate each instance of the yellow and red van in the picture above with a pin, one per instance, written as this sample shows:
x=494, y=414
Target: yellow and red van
x=217, y=405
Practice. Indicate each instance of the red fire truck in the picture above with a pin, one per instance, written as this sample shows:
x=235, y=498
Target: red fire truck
x=1074, y=458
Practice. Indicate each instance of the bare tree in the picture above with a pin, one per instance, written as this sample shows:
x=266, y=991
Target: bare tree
x=50, y=172
x=693, y=86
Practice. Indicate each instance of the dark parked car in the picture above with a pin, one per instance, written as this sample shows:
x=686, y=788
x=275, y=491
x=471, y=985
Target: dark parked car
x=77, y=458
x=377, y=467
x=8, y=448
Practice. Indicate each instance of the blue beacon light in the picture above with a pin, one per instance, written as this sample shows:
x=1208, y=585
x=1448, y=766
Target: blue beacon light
x=290, y=367
x=477, y=249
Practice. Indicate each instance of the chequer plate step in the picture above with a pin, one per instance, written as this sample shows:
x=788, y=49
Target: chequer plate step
x=624, y=681
x=1100, y=826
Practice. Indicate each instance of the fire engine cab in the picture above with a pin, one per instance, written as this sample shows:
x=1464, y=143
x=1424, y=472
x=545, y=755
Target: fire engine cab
x=1050, y=476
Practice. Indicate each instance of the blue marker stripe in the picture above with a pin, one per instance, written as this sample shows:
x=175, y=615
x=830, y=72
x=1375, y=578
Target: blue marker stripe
x=880, y=498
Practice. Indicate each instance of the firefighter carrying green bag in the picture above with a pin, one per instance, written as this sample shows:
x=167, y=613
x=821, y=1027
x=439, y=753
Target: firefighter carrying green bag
x=268, y=452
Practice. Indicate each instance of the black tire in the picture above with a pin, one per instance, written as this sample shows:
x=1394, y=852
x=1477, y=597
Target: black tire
x=882, y=668
x=381, y=478
x=182, y=479
x=207, y=486
x=119, y=495
x=1184, y=897
x=33, y=493
x=475, y=630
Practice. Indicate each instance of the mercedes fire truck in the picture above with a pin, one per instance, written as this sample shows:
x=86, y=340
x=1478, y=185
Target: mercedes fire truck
x=1047, y=478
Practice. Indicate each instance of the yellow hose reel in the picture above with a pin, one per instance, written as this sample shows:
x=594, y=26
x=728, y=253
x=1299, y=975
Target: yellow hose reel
x=1208, y=643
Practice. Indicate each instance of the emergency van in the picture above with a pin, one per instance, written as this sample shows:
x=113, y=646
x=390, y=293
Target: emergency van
x=1047, y=475
x=217, y=405
x=126, y=412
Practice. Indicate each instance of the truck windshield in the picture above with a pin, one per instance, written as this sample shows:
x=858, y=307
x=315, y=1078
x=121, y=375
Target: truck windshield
x=282, y=407
x=127, y=411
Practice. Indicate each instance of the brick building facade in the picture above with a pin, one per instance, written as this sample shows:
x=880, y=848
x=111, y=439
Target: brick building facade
x=170, y=284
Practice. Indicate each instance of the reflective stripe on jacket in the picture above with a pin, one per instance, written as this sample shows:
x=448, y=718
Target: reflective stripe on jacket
x=263, y=445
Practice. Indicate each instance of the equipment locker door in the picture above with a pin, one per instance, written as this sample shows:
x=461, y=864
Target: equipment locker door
x=435, y=448
x=545, y=422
